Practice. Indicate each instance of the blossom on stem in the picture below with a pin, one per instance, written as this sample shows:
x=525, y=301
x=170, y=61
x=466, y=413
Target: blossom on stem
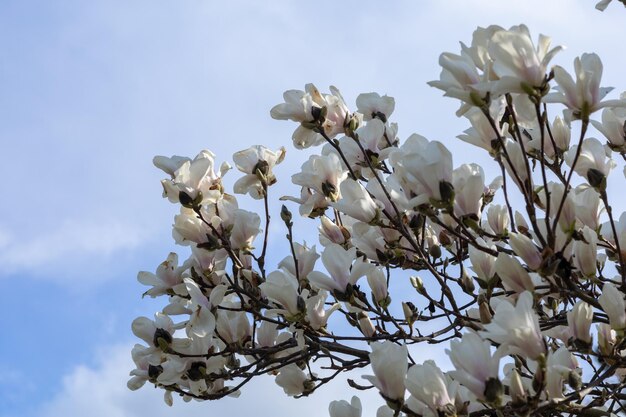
x=517, y=328
x=579, y=321
x=518, y=64
x=513, y=275
x=526, y=249
x=342, y=408
x=613, y=304
x=476, y=367
x=373, y=106
x=427, y=383
x=257, y=163
x=468, y=181
x=592, y=164
x=389, y=363
x=612, y=126
x=586, y=252
x=356, y=202
x=314, y=111
x=168, y=277
x=344, y=268
x=584, y=96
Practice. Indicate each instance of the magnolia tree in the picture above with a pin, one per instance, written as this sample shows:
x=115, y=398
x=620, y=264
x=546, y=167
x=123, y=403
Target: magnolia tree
x=521, y=277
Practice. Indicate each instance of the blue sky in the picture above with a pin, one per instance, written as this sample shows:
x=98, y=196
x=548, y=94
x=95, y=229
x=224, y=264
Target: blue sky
x=90, y=91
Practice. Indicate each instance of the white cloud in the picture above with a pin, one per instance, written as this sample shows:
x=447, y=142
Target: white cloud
x=101, y=391
x=71, y=240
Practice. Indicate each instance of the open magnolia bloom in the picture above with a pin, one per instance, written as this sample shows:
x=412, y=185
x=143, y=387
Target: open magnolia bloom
x=517, y=270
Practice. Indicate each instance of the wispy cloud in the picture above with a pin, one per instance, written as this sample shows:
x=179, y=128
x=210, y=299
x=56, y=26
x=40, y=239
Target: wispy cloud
x=71, y=242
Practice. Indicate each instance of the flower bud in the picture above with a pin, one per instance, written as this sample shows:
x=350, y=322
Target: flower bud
x=418, y=284
x=410, y=312
x=613, y=304
x=285, y=214
x=366, y=325
x=606, y=339
x=516, y=389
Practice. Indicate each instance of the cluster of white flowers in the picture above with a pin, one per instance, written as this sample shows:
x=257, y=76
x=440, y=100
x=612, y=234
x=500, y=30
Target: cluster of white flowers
x=513, y=293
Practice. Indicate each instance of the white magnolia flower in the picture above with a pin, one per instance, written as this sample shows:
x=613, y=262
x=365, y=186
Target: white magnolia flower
x=586, y=252
x=378, y=284
x=483, y=264
x=169, y=165
x=613, y=304
x=607, y=337
x=474, y=363
x=517, y=328
x=469, y=184
x=424, y=167
x=257, y=163
x=559, y=366
x=158, y=332
x=513, y=275
x=592, y=163
x=330, y=231
x=612, y=126
x=316, y=315
x=291, y=379
x=342, y=408
x=481, y=133
x=516, y=61
x=459, y=79
x=567, y=216
x=356, y=202
x=193, y=182
x=427, y=383
x=498, y=219
x=579, y=321
x=588, y=207
x=306, y=260
x=584, y=96
x=168, y=277
x=389, y=363
x=554, y=143
x=322, y=173
x=373, y=106
x=342, y=265
x=620, y=229
x=602, y=5
x=233, y=326
x=267, y=333
x=307, y=107
x=246, y=226
x=526, y=249
x=281, y=287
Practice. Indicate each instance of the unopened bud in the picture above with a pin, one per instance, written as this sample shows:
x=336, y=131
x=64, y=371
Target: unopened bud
x=485, y=313
x=410, y=312
x=366, y=325
x=516, y=389
x=435, y=251
x=417, y=283
x=467, y=283
x=285, y=214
